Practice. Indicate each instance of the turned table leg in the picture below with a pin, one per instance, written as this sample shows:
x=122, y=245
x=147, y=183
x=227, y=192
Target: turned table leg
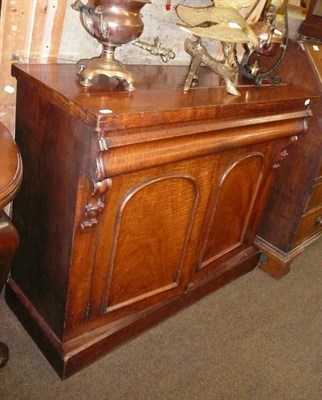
x=9, y=240
x=4, y=354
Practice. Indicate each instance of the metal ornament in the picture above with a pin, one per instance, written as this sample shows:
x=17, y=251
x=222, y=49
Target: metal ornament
x=272, y=42
x=156, y=49
x=113, y=23
x=221, y=22
x=199, y=55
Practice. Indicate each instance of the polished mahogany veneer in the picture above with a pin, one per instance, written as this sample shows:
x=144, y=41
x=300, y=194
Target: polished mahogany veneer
x=135, y=204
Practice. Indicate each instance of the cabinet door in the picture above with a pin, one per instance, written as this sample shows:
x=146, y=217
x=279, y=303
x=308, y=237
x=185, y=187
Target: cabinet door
x=163, y=227
x=237, y=199
x=147, y=238
x=152, y=227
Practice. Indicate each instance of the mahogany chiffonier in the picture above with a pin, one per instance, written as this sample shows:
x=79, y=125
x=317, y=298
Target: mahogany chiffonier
x=135, y=204
x=293, y=216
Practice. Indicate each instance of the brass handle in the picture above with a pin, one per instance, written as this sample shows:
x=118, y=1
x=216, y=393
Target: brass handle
x=82, y=8
x=318, y=221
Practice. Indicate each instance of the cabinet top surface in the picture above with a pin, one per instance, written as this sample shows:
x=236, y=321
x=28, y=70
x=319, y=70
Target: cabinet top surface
x=159, y=97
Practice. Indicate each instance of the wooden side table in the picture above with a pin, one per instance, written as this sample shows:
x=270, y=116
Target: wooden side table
x=10, y=179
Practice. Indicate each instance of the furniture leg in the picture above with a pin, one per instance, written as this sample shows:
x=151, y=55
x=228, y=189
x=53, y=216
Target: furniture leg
x=9, y=240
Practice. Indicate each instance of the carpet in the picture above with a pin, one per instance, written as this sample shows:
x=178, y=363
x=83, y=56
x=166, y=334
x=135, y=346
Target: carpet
x=254, y=339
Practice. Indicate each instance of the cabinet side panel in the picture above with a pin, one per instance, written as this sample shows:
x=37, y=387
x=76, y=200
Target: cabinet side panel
x=43, y=212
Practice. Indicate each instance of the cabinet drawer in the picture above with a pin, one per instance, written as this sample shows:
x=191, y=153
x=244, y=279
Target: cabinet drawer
x=316, y=198
x=310, y=225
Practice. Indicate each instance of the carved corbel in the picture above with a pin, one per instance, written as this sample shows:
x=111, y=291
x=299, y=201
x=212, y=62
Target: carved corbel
x=281, y=155
x=96, y=204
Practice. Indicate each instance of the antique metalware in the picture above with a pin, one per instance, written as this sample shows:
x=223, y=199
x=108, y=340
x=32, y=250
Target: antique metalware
x=156, y=49
x=113, y=23
x=221, y=22
x=270, y=37
x=199, y=55
x=273, y=39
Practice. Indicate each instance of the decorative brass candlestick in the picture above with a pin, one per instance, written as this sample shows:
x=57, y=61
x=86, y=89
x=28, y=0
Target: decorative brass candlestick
x=112, y=23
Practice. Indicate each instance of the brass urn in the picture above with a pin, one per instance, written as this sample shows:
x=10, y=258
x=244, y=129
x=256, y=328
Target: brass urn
x=113, y=23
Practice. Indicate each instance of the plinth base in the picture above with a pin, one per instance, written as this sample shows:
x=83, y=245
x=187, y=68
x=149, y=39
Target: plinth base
x=70, y=357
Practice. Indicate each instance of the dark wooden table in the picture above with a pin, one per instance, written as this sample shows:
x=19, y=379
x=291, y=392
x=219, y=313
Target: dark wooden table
x=10, y=179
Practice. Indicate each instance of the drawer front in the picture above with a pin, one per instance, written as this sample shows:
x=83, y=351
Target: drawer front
x=316, y=198
x=310, y=225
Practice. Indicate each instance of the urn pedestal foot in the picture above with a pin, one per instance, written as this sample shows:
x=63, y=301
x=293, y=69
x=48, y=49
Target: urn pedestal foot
x=106, y=65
